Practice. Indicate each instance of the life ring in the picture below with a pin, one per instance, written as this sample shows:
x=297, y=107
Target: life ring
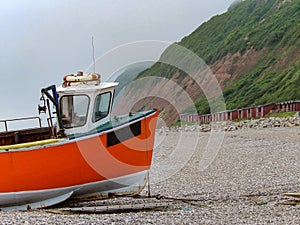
x=80, y=78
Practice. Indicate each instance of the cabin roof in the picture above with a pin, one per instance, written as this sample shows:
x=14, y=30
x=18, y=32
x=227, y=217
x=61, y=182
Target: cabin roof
x=87, y=88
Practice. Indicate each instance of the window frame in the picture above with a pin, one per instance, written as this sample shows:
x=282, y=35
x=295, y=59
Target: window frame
x=94, y=120
x=87, y=109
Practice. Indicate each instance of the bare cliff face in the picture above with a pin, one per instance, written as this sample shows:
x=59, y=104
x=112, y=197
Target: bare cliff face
x=229, y=68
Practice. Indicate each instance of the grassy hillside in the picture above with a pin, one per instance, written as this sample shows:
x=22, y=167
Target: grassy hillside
x=270, y=31
x=254, y=24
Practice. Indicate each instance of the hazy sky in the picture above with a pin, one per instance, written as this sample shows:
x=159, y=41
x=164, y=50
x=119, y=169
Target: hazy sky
x=41, y=41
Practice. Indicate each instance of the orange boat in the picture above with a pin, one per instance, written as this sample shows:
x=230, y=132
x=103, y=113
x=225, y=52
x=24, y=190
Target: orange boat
x=87, y=154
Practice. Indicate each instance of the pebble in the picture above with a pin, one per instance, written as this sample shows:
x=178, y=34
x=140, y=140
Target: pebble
x=243, y=185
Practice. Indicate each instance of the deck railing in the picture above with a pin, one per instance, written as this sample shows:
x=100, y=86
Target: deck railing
x=21, y=119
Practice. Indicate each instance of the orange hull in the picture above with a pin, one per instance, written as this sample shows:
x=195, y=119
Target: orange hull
x=89, y=159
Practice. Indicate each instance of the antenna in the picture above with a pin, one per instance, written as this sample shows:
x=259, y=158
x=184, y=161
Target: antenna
x=93, y=54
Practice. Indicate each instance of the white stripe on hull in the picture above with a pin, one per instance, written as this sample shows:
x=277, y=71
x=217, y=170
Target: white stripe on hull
x=130, y=184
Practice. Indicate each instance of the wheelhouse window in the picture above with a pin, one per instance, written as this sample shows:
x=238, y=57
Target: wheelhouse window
x=102, y=106
x=74, y=110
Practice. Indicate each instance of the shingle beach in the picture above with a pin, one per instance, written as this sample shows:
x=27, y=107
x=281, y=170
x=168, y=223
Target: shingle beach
x=244, y=184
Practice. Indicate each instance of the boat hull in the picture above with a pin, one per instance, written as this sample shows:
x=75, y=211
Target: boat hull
x=100, y=164
x=25, y=200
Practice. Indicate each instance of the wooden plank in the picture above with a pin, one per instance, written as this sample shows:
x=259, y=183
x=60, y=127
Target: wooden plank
x=290, y=202
x=294, y=195
x=116, y=208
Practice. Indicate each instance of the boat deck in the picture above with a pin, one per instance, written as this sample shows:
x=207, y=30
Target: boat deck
x=24, y=136
x=44, y=133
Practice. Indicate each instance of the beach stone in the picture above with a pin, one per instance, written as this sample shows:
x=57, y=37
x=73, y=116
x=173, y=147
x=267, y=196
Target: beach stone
x=244, y=183
x=250, y=124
